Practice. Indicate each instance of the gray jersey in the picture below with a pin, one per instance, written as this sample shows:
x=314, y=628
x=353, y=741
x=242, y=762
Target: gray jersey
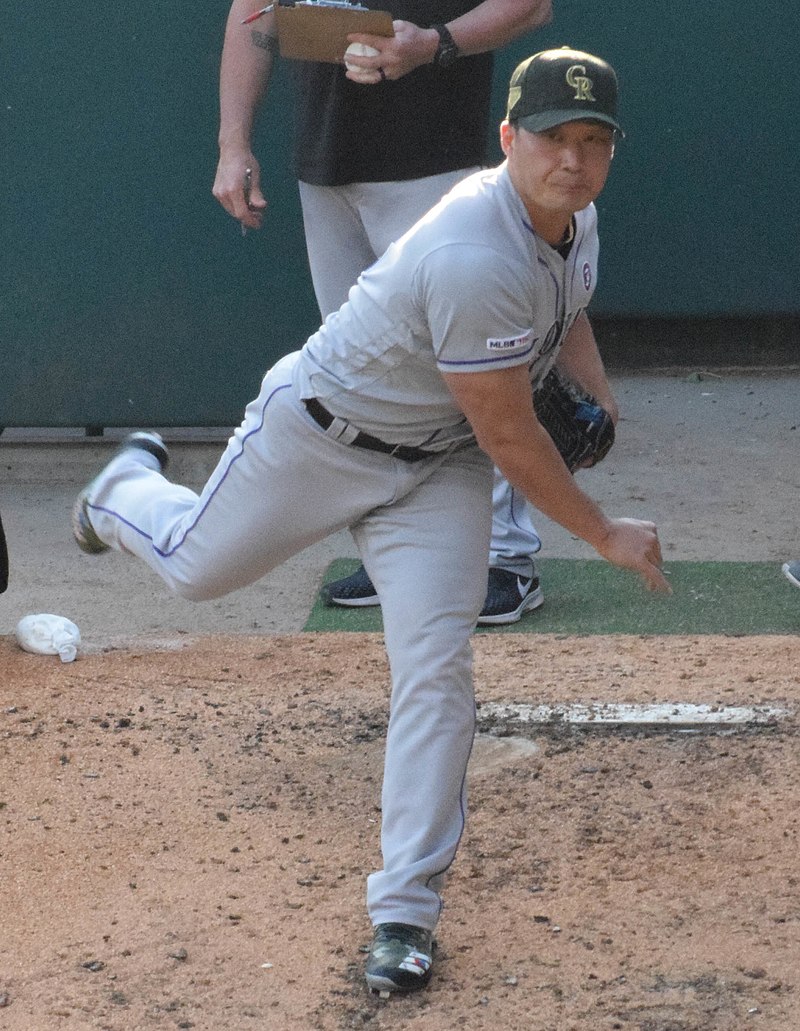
x=469, y=288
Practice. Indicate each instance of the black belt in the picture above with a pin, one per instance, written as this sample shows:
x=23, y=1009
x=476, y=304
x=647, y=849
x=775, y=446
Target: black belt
x=323, y=418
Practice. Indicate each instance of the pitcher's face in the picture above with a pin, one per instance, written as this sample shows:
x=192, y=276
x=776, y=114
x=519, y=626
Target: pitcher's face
x=561, y=170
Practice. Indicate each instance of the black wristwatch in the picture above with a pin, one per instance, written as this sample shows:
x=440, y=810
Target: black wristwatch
x=447, y=51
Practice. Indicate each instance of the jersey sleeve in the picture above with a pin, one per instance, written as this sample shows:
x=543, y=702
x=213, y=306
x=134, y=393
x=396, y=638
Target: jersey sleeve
x=477, y=304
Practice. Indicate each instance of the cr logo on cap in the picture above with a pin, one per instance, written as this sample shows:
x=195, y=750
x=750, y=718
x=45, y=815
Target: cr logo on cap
x=576, y=78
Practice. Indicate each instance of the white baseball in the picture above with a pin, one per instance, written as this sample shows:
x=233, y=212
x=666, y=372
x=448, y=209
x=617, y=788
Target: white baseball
x=359, y=50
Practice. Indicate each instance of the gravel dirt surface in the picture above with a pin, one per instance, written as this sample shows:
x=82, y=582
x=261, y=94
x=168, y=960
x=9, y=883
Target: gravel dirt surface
x=185, y=836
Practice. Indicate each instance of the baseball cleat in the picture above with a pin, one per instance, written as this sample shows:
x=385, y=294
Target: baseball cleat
x=791, y=570
x=146, y=440
x=508, y=596
x=82, y=529
x=352, y=591
x=400, y=959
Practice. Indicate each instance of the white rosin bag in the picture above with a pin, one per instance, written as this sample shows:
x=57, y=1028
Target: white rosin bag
x=46, y=634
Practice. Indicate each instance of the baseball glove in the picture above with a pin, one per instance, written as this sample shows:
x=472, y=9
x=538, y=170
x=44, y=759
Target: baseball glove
x=580, y=428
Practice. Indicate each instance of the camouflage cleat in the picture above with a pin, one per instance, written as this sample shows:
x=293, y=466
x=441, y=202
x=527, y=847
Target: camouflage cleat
x=82, y=529
x=400, y=959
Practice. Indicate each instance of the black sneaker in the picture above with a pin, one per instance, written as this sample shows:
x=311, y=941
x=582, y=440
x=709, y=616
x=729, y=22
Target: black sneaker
x=352, y=591
x=791, y=570
x=508, y=596
x=82, y=529
x=400, y=958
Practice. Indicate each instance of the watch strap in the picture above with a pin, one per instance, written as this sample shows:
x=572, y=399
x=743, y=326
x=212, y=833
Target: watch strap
x=447, y=51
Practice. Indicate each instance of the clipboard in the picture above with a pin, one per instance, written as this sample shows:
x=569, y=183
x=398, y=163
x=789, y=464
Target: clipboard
x=317, y=30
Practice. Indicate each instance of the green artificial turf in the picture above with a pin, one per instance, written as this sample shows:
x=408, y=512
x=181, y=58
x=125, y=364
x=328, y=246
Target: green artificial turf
x=592, y=597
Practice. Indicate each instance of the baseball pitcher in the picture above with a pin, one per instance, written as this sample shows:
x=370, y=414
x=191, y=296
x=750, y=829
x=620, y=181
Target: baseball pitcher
x=389, y=421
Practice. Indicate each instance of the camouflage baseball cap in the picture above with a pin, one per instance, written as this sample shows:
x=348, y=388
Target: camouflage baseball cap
x=562, y=85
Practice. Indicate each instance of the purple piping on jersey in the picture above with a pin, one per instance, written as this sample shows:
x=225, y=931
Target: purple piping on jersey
x=555, y=283
x=168, y=554
x=541, y=260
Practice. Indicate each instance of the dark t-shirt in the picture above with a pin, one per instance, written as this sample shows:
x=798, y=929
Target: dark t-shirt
x=429, y=121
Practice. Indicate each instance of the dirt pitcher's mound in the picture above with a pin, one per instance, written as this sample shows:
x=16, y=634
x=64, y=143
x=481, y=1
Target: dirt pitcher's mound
x=185, y=836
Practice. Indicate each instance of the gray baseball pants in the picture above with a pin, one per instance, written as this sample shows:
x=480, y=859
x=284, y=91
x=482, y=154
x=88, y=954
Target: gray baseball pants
x=422, y=530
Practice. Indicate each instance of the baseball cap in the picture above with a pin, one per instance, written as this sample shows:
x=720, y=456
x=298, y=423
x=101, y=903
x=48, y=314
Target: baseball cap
x=562, y=85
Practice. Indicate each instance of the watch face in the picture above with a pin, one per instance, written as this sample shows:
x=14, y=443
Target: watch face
x=447, y=55
x=447, y=51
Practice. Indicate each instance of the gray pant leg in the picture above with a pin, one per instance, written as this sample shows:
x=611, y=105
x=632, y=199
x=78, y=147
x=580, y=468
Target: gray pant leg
x=337, y=243
x=348, y=227
x=388, y=210
x=514, y=537
x=427, y=558
x=259, y=506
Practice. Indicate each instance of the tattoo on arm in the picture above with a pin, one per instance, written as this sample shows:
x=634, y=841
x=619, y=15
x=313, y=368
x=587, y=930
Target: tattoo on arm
x=264, y=40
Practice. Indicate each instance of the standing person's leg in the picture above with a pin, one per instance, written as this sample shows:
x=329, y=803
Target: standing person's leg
x=388, y=210
x=348, y=227
x=427, y=555
x=336, y=241
x=513, y=579
x=514, y=537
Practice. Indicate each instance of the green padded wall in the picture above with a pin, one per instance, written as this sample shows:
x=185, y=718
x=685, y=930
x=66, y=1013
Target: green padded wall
x=128, y=297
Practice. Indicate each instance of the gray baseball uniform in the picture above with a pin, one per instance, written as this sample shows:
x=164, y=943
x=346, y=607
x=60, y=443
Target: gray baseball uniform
x=469, y=288
x=346, y=228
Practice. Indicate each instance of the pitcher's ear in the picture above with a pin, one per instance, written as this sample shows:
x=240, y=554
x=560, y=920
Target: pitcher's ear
x=507, y=133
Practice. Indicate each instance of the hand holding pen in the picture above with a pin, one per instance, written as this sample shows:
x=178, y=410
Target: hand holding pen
x=248, y=185
x=255, y=205
x=237, y=187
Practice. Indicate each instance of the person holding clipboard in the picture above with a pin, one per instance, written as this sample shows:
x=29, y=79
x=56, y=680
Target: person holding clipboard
x=374, y=147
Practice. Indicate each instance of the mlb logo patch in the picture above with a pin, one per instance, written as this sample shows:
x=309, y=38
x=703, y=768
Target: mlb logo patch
x=587, y=275
x=507, y=343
